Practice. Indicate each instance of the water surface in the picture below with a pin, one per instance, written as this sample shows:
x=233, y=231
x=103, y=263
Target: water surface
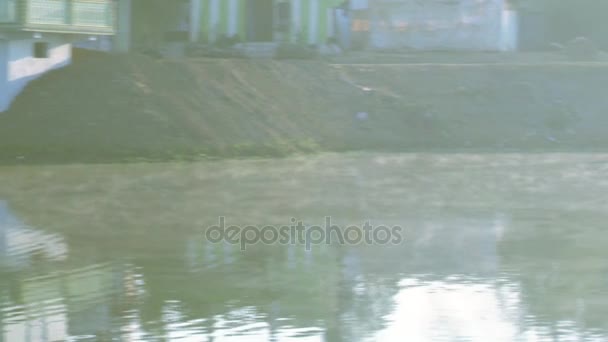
x=507, y=247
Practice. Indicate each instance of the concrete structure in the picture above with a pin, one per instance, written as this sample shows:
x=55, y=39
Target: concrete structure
x=36, y=36
x=302, y=21
x=18, y=66
x=483, y=25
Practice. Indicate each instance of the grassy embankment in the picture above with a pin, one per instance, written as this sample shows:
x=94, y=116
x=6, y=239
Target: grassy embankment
x=108, y=108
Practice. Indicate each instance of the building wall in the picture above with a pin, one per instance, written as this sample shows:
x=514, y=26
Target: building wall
x=459, y=25
x=18, y=66
x=310, y=21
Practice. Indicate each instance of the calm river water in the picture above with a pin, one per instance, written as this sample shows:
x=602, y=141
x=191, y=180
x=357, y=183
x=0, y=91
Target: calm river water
x=506, y=247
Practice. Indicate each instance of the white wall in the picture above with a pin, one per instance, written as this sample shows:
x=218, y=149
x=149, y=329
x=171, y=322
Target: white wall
x=313, y=21
x=458, y=25
x=214, y=20
x=509, y=31
x=18, y=67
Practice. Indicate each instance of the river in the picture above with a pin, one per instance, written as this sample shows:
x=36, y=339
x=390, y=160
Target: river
x=495, y=247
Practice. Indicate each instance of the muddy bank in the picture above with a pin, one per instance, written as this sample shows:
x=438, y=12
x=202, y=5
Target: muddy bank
x=114, y=108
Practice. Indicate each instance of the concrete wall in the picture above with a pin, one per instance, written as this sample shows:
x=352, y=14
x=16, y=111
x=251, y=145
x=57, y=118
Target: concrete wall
x=453, y=25
x=18, y=66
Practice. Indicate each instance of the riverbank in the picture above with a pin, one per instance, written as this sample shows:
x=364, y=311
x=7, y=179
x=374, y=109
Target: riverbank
x=107, y=108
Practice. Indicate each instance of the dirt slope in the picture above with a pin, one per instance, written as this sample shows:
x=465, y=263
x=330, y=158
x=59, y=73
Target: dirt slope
x=112, y=108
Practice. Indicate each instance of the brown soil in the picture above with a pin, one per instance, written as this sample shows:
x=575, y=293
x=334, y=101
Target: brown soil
x=114, y=108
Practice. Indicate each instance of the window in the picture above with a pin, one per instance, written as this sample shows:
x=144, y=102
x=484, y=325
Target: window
x=41, y=50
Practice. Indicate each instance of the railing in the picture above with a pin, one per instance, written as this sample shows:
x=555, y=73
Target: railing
x=77, y=16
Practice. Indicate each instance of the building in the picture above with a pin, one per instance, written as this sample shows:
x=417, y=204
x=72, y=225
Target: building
x=309, y=22
x=260, y=22
x=36, y=36
x=478, y=25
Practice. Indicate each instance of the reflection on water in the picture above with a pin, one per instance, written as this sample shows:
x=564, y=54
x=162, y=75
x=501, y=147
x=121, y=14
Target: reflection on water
x=19, y=244
x=41, y=306
x=497, y=248
x=449, y=310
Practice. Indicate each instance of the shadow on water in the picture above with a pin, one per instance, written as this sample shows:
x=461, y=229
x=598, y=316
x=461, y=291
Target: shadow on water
x=509, y=246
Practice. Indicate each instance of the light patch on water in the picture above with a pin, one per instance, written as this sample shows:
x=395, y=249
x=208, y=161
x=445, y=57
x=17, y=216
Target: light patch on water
x=440, y=311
